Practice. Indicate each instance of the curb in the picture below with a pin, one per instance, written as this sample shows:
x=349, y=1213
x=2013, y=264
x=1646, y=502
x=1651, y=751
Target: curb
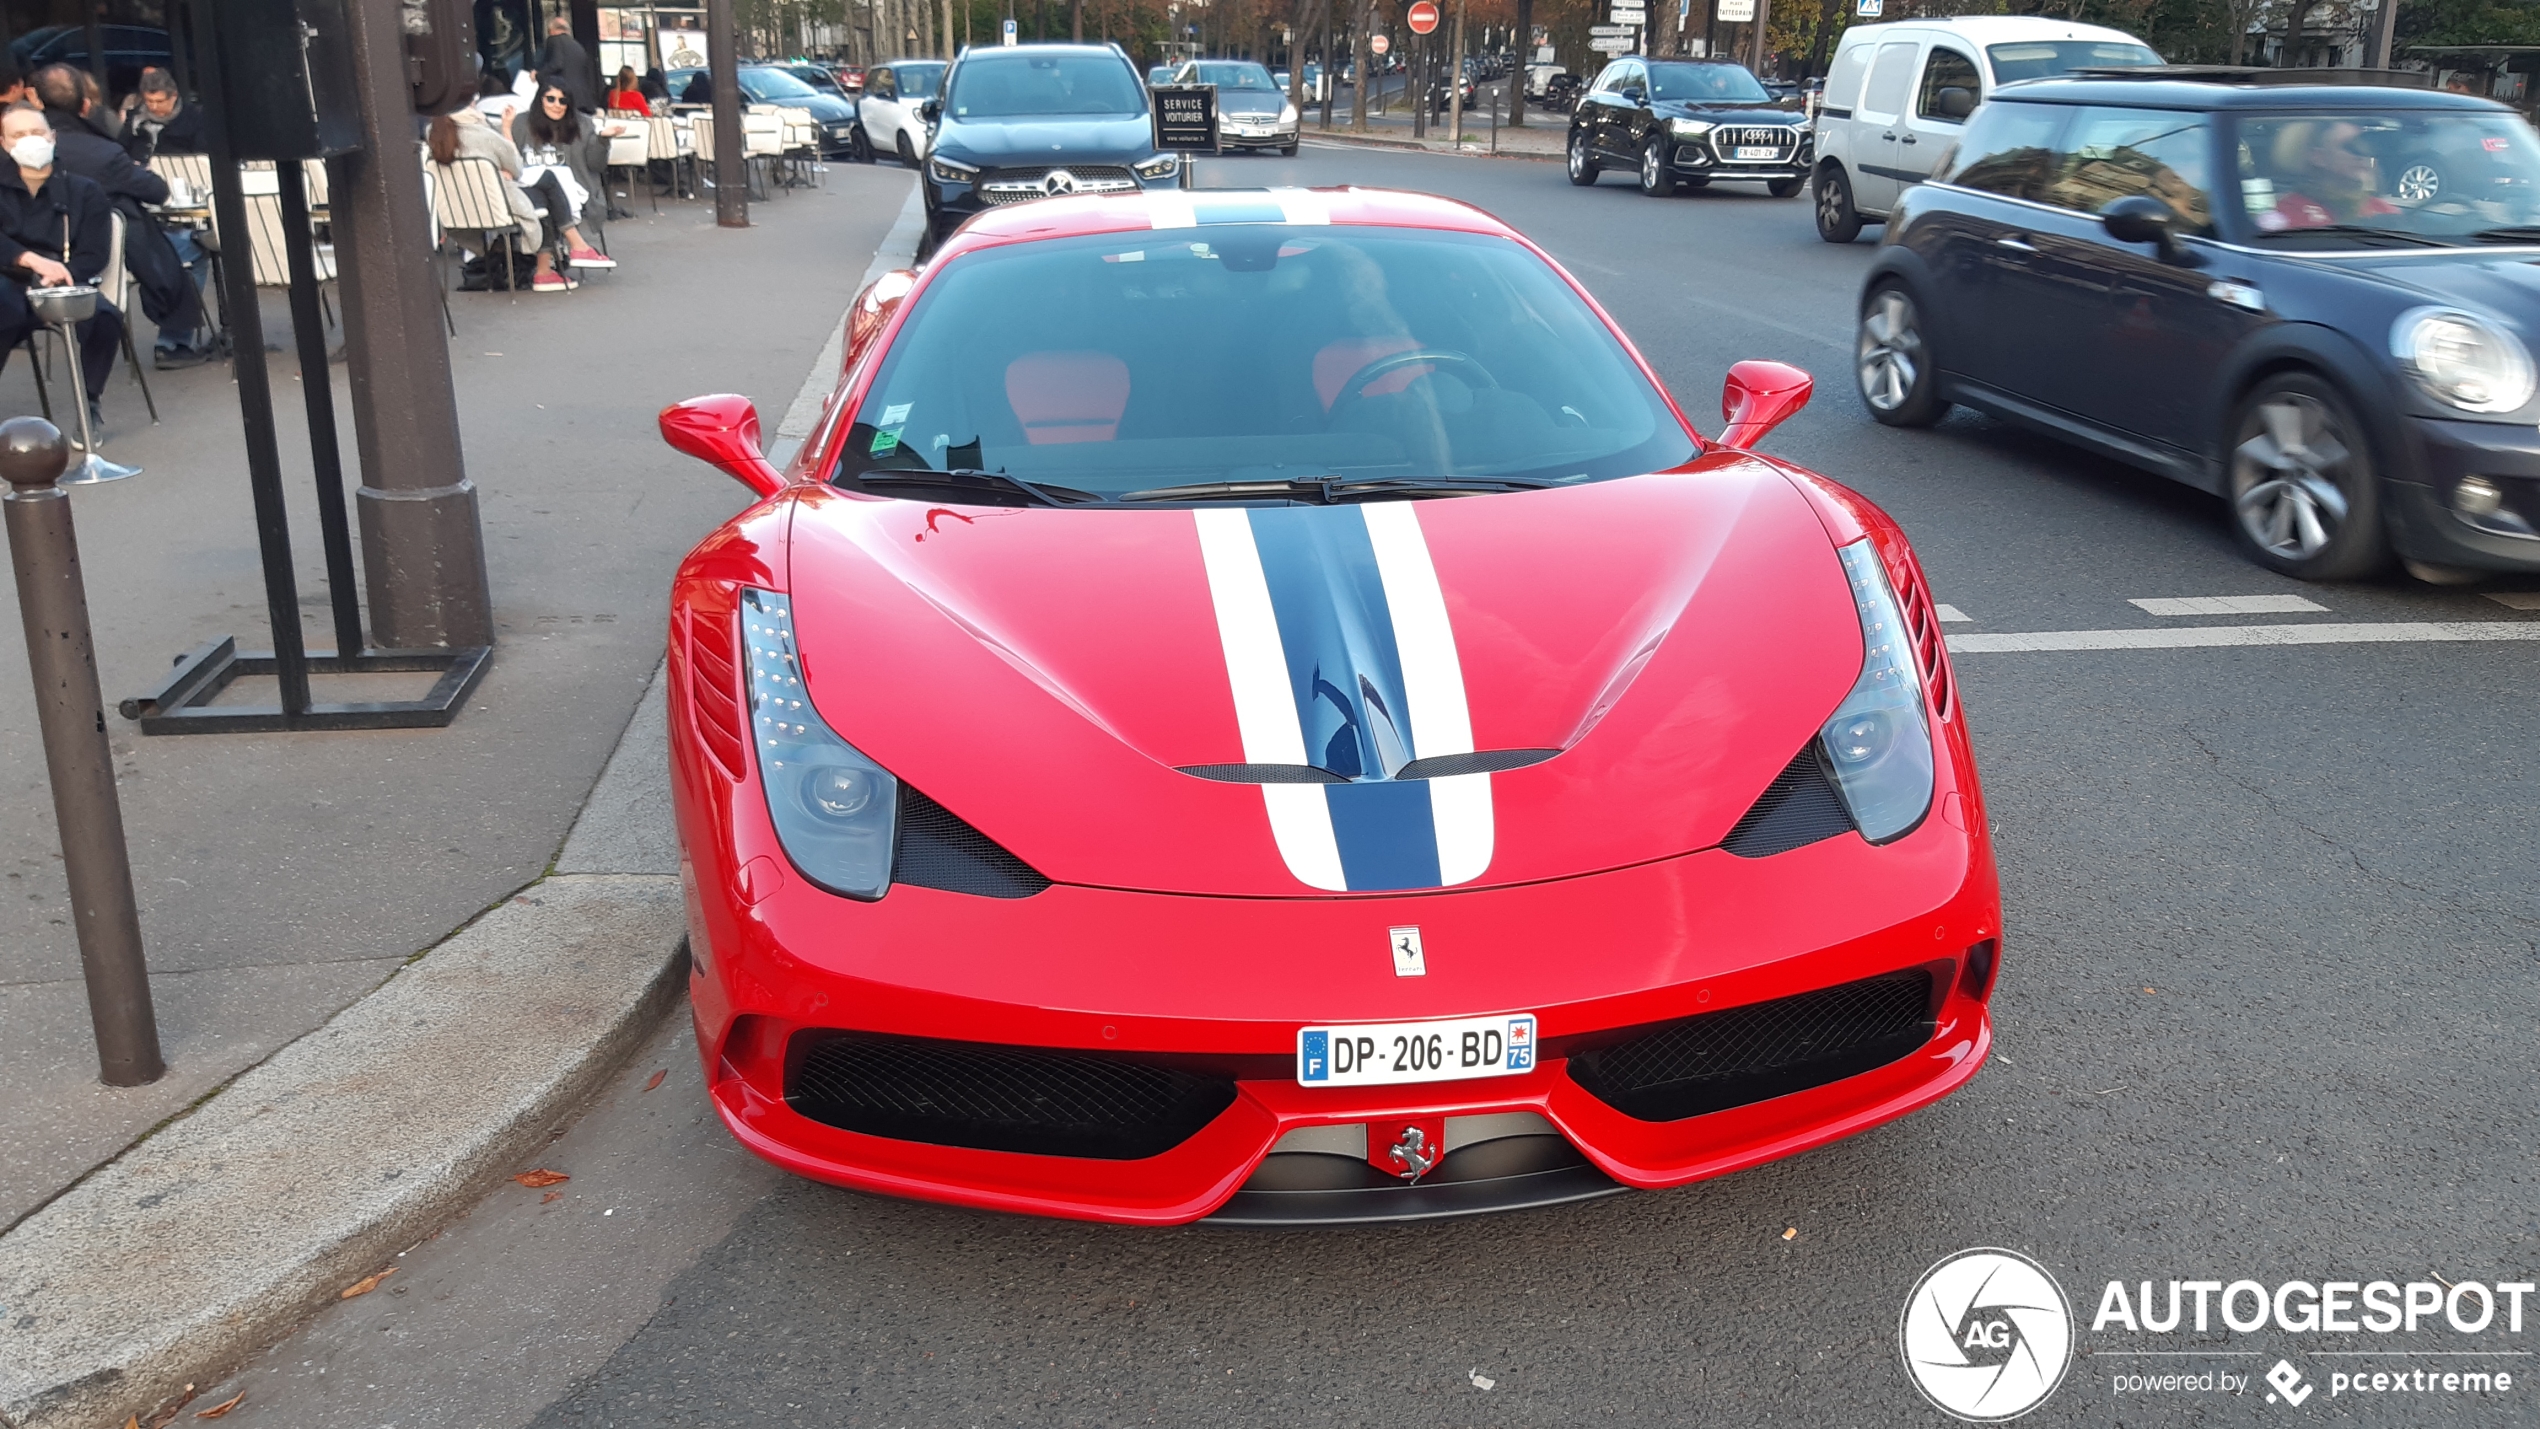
x=1419, y=146
x=213, y=1238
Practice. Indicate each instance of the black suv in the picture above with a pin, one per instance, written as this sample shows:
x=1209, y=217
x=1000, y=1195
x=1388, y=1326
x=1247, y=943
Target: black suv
x=1015, y=123
x=2317, y=302
x=1687, y=122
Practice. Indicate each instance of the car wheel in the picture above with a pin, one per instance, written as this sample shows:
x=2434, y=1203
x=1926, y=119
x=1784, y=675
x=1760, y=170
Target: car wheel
x=1287, y=151
x=908, y=155
x=1583, y=165
x=859, y=145
x=1893, y=362
x=1837, y=220
x=2304, y=499
x=1783, y=188
x=2420, y=180
x=1655, y=181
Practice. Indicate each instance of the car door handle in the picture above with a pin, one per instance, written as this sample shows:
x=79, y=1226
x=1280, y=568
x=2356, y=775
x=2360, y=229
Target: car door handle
x=1907, y=139
x=2017, y=244
x=1890, y=134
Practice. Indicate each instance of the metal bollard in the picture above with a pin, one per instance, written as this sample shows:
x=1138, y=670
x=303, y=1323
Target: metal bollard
x=54, y=603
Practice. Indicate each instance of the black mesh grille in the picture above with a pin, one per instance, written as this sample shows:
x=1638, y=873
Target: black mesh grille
x=999, y=1098
x=938, y=850
x=1799, y=807
x=1767, y=1049
x=1263, y=773
x=1480, y=761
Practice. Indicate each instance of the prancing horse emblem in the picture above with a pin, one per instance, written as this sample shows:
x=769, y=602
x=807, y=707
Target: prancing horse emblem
x=1058, y=181
x=1408, y=961
x=1413, y=1154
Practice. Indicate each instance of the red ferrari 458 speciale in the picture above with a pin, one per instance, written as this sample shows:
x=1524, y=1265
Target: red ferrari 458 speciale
x=1256, y=705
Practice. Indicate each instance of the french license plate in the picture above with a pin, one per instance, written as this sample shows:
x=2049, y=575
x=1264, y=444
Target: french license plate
x=1375, y=1054
x=1746, y=152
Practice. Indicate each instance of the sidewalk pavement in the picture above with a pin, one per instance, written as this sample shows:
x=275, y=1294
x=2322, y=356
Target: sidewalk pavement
x=283, y=876
x=1545, y=135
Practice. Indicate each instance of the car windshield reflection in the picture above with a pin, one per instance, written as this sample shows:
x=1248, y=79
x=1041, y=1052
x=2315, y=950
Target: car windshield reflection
x=2339, y=180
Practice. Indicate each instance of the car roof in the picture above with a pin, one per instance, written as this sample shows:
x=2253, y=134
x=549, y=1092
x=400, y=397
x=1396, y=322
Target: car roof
x=2194, y=94
x=1995, y=29
x=1196, y=210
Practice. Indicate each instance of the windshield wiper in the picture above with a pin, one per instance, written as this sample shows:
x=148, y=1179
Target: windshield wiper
x=2512, y=233
x=2358, y=230
x=1331, y=490
x=965, y=481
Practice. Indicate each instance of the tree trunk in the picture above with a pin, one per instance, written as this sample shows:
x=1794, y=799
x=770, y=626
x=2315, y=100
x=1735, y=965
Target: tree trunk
x=1525, y=36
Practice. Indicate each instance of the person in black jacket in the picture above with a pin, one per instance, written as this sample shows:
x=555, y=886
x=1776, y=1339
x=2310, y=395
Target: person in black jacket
x=569, y=66
x=157, y=120
x=54, y=230
x=168, y=296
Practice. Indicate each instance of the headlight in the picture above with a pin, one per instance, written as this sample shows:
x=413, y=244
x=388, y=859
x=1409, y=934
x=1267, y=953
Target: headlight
x=2462, y=361
x=1688, y=128
x=1878, y=743
x=950, y=171
x=836, y=812
x=1287, y=114
x=1159, y=167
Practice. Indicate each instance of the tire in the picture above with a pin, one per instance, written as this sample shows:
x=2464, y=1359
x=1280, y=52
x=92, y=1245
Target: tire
x=1784, y=188
x=1583, y=165
x=908, y=153
x=1287, y=151
x=2419, y=181
x=1655, y=181
x=1893, y=365
x=1837, y=220
x=2305, y=498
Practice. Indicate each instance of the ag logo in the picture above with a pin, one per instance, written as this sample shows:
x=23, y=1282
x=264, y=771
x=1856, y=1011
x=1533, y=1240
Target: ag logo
x=1986, y=1335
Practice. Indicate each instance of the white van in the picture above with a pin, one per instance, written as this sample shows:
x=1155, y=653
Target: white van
x=1897, y=95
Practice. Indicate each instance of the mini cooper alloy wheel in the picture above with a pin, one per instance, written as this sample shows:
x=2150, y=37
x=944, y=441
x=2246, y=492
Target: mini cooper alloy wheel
x=1893, y=363
x=2301, y=482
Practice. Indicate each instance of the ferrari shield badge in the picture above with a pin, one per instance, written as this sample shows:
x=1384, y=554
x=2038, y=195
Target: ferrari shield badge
x=1407, y=958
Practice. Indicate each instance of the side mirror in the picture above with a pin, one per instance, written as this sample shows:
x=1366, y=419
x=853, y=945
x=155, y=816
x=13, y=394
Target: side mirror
x=2140, y=218
x=1957, y=101
x=1759, y=396
x=722, y=430
x=931, y=110
x=1635, y=94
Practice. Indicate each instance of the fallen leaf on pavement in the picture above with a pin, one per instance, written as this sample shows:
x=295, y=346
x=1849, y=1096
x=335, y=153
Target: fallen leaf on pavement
x=551, y=1196
x=541, y=1178
x=1791, y=1234
x=226, y=1405
x=366, y=1284
x=656, y=1081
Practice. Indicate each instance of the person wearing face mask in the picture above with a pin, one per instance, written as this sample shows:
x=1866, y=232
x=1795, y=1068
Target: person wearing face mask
x=168, y=295
x=54, y=230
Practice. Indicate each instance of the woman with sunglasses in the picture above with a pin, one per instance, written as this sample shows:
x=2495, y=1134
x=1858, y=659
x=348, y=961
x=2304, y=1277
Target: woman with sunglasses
x=551, y=141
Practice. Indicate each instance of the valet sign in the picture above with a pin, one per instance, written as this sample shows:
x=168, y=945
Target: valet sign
x=1186, y=118
x=1987, y=1335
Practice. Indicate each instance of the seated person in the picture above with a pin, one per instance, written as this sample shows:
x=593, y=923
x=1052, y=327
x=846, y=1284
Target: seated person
x=39, y=206
x=467, y=135
x=157, y=120
x=168, y=294
x=2323, y=179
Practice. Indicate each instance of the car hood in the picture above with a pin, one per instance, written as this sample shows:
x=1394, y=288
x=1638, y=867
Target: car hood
x=1121, y=139
x=1049, y=674
x=1250, y=101
x=1718, y=113
x=2503, y=282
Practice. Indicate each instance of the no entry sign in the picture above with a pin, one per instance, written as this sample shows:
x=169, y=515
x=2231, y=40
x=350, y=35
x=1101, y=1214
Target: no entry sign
x=1423, y=18
x=1378, y=44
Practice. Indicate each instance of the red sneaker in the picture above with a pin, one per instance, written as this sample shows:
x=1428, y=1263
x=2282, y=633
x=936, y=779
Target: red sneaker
x=549, y=283
x=590, y=258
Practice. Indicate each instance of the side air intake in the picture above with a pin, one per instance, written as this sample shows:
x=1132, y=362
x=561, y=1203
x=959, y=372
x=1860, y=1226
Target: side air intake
x=1798, y=808
x=937, y=849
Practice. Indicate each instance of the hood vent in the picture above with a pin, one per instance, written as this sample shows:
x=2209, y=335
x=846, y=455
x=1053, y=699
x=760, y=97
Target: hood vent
x=1798, y=808
x=1442, y=766
x=938, y=849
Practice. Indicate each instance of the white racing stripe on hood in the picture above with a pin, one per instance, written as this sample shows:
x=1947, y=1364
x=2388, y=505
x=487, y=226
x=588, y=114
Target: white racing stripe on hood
x=1433, y=681
x=1170, y=208
x=1302, y=207
x=1265, y=703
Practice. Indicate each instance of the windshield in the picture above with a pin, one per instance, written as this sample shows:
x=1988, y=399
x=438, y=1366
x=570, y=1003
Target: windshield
x=918, y=81
x=768, y=85
x=995, y=86
x=1259, y=352
x=2039, y=59
x=818, y=79
x=1716, y=82
x=2441, y=176
x=1236, y=76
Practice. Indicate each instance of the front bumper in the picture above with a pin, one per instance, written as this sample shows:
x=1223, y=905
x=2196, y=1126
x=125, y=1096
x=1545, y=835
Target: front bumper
x=2425, y=519
x=1224, y=984
x=948, y=202
x=1235, y=133
x=1700, y=157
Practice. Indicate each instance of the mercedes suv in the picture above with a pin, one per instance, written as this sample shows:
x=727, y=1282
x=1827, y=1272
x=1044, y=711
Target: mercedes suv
x=1023, y=122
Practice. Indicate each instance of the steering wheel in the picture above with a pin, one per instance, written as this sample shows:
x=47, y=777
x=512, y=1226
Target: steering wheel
x=1466, y=366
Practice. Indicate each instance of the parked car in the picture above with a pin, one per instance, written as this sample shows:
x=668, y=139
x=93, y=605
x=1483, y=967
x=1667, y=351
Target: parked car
x=1016, y=123
x=129, y=50
x=1686, y=122
x=1256, y=705
x=888, y=117
x=832, y=114
x=2240, y=286
x=850, y=77
x=817, y=77
x=1159, y=74
x=1897, y=94
x=1252, y=105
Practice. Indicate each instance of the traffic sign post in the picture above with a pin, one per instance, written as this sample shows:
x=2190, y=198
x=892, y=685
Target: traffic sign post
x=1186, y=122
x=1378, y=44
x=1422, y=18
x=1007, y=33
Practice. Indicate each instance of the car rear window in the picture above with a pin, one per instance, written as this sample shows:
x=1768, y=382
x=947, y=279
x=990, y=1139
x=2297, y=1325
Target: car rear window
x=2041, y=59
x=1259, y=351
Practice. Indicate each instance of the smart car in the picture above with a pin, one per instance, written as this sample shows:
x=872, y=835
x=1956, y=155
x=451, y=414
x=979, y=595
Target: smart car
x=1256, y=705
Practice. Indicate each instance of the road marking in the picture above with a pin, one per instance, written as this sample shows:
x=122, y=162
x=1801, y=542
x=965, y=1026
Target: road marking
x=1952, y=615
x=2516, y=599
x=2203, y=636
x=2227, y=605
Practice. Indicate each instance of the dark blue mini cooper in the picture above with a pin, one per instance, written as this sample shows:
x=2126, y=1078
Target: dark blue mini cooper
x=2318, y=302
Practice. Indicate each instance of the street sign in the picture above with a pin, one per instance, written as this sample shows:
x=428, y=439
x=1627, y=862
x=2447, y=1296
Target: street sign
x=1611, y=45
x=1737, y=12
x=1422, y=18
x=1008, y=36
x=1628, y=15
x=1543, y=54
x=1608, y=32
x=1378, y=44
x=1186, y=117
x=1867, y=9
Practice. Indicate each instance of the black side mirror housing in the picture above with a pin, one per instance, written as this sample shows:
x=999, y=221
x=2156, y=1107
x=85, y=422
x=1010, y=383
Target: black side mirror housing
x=2140, y=218
x=1957, y=101
x=1635, y=93
x=931, y=110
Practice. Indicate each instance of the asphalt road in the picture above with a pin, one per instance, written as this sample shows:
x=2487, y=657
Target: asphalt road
x=2266, y=1012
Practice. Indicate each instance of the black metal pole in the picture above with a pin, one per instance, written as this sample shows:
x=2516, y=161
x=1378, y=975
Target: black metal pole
x=53, y=603
x=731, y=162
x=317, y=388
x=247, y=364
